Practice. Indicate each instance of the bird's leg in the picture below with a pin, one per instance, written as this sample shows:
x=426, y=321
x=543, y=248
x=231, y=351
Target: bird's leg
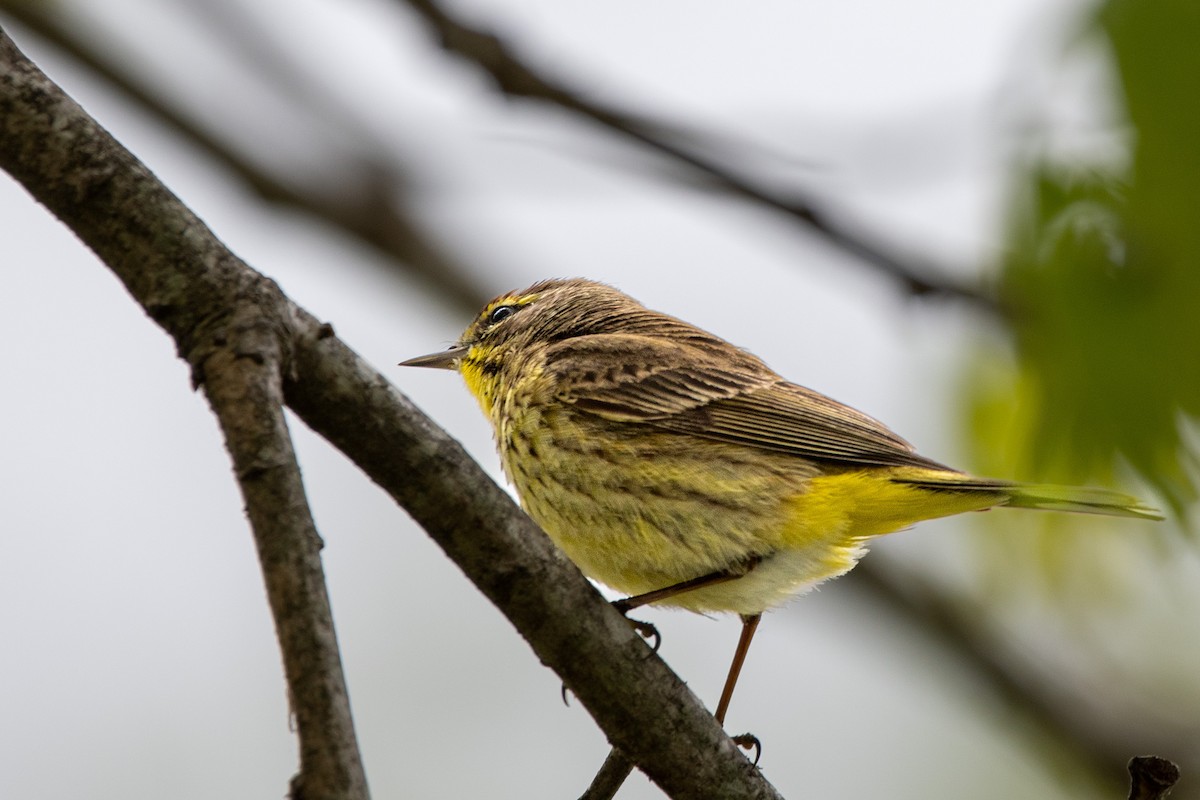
x=749, y=626
x=711, y=579
x=647, y=630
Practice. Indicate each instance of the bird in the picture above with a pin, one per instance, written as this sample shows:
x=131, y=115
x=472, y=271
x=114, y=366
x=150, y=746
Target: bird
x=681, y=470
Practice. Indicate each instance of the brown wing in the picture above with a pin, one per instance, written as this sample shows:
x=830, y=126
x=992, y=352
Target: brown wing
x=792, y=419
x=740, y=401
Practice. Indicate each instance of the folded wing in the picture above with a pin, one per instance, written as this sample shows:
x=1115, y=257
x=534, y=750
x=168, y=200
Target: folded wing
x=685, y=388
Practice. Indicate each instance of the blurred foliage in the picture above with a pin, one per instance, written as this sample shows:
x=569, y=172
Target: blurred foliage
x=1103, y=286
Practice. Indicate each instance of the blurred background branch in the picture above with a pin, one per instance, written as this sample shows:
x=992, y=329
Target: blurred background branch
x=516, y=78
x=366, y=200
x=1067, y=723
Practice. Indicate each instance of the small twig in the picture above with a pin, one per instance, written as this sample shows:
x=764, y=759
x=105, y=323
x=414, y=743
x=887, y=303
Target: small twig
x=516, y=78
x=608, y=781
x=1151, y=777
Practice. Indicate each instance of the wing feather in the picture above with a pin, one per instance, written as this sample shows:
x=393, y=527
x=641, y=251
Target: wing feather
x=695, y=387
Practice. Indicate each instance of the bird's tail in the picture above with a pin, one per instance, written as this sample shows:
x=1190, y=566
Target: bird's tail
x=1045, y=496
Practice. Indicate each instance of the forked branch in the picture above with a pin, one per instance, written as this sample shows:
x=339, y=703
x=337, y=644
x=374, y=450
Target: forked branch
x=242, y=335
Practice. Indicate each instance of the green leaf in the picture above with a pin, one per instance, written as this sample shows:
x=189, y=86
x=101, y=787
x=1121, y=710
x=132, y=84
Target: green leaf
x=1103, y=280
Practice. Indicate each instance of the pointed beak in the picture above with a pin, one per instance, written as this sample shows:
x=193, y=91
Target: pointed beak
x=446, y=359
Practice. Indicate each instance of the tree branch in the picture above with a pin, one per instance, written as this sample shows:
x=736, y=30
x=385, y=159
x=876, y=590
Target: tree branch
x=195, y=289
x=516, y=78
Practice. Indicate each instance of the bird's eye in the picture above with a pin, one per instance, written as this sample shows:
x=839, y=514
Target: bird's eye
x=501, y=313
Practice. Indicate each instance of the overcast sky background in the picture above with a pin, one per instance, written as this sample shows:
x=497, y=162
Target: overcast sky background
x=139, y=658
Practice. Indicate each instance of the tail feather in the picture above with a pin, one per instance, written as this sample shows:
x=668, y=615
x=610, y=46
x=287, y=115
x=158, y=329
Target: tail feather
x=1082, y=499
x=1045, y=496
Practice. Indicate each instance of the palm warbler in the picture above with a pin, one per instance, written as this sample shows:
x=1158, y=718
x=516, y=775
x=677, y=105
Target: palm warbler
x=677, y=468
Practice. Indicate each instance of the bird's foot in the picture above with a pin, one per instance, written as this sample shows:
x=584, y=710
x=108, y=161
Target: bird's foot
x=645, y=629
x=748, y=741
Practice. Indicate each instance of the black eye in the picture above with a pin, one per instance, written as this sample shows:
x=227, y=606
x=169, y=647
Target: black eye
x=501, y=313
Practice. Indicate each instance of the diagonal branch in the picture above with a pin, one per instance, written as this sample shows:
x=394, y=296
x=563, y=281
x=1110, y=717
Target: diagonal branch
x=207, y=300
x=516, y=78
